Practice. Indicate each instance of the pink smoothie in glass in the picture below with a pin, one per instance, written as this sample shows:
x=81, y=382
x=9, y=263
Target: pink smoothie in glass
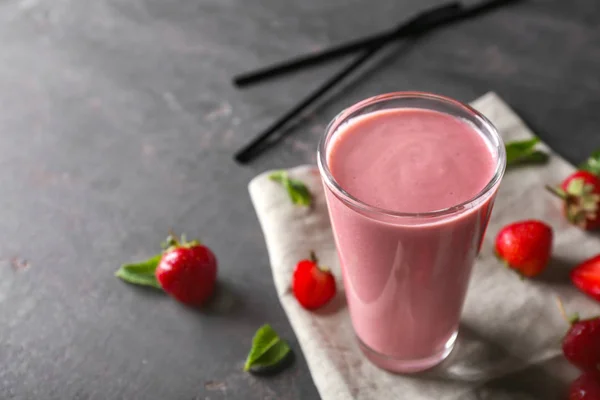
x=406, y=279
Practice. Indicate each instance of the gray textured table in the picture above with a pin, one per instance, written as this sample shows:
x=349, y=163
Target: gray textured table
x=118, y=121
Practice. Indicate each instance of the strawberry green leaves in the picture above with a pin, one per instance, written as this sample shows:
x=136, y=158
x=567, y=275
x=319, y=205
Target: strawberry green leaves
x=141, y=273
x=297, y=190
x=524, y=152
x=268, y=350
x=592, y=164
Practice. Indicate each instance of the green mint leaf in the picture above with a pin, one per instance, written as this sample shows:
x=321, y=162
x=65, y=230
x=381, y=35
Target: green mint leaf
x=524, y=152
x=141, y=273
x=268, y=349
x=592, y=164
x=297, y=190
x=515, y=148
x=144, y=267
x=138, y=279
x=279, y=176
x=299, y=193
x=537, y=157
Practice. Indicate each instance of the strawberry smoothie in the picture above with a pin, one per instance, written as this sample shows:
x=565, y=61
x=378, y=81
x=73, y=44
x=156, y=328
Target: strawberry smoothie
x=410, y=180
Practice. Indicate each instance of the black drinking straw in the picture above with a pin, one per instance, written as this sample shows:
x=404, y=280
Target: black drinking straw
x=308, y=60
x=422, y=23
x=313, y=59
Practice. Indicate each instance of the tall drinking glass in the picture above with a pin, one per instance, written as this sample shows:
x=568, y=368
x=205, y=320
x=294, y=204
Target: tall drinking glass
x=410, y=180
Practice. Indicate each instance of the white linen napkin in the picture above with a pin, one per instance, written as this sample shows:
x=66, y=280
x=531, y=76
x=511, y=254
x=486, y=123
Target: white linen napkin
x=509, y=341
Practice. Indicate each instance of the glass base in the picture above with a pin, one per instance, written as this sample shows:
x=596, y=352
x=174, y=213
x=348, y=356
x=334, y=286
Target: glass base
x=407, y=366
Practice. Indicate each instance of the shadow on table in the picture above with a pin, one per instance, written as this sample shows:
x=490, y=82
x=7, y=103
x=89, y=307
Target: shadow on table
x=265, y=372
x=557, y=271
x=146, y=291
x=336, y=304
x=224, y=302
x=536, y=381
x=495, y=372
x=474, y=359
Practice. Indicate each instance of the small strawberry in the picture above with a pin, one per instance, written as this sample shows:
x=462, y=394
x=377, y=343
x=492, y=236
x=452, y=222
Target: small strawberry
x=525, y=246
x=581, y=344
x=581, y=195
x=586, y=276
x=313, y=286
x=187, y=271
x=586, y=387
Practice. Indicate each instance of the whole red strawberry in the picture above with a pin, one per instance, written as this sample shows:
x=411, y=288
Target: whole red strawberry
x=580, y=193
x=586, y=387
x=187, y=271
x=586, y=276
x=313, y=286
x=525, y=246
x=581, y=344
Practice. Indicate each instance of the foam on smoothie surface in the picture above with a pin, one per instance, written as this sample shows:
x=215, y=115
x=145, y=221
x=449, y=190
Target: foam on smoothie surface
x=410, y=160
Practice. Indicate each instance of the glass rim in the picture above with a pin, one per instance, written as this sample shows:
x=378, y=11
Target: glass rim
x=359, y=204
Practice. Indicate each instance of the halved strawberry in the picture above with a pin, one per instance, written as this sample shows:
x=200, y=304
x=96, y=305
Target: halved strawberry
x=586, y=276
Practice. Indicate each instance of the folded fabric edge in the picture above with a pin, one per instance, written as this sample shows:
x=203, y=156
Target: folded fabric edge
x=491, y=100
x=324, y=384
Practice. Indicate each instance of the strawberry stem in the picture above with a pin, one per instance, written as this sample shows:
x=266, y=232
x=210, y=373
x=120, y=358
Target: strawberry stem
x=173, y=238
x=556, y=192
x=561, y=308
x=574, y=318
x=570, y=319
